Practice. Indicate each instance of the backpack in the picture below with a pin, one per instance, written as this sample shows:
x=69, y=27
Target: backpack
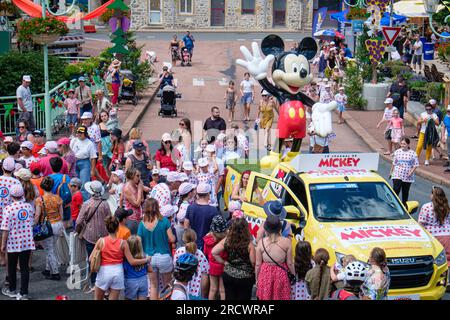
x=343, y=295
x=166, y=293
x=64, y=191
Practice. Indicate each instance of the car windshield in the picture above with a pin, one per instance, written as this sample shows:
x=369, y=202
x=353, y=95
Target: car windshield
x=355, y=202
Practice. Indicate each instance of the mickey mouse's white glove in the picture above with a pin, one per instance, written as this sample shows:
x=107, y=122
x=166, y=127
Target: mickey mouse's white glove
x=255, y=64
x=322, y=119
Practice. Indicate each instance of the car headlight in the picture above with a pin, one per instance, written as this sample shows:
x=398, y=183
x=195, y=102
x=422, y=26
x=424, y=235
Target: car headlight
x=441, y=259
x=340, y=256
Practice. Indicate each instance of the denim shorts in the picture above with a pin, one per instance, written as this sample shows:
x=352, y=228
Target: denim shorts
x=136, y=288
x=162, y=263
x=72, y=118
x=247, y=98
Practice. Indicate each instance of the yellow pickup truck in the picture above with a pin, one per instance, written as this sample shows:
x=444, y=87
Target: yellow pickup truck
x=339, y=202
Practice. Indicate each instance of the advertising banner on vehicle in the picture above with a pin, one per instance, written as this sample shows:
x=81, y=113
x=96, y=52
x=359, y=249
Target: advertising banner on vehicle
x=368, y=234
x=336, y=161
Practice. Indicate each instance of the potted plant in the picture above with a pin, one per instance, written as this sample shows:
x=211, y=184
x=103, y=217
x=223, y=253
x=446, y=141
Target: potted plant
x=41, y=30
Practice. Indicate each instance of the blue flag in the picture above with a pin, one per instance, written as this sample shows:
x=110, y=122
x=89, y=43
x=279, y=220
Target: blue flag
x=319, y=17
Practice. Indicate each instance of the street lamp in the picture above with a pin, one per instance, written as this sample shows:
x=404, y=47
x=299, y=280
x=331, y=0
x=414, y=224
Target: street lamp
x=431, y=8
x=48, y=123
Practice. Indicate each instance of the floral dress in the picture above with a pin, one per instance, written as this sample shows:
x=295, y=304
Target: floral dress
x=376, y=285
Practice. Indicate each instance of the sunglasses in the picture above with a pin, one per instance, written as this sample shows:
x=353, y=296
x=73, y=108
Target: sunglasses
x=22, y=127
x=182, y=124
x=167, y=142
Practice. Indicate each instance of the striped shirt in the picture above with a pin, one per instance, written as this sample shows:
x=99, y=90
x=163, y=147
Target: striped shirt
x=95, y=228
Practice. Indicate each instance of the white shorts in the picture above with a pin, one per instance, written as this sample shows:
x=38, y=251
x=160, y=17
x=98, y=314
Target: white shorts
x=110, y=277
x=162, y=263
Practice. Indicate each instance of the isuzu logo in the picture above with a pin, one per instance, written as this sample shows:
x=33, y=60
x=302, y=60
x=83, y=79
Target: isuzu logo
x=402, y=260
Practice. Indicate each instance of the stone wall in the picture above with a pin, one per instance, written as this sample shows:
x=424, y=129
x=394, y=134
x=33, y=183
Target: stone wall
x=298, y=15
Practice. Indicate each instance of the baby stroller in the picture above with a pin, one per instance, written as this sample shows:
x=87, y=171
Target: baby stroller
x=128, y=91
x=185, y=57
x=169, y=102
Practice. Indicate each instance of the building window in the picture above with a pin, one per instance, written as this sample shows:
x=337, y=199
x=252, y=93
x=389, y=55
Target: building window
x=332, y=5
x=185, y=6
x=248, y=6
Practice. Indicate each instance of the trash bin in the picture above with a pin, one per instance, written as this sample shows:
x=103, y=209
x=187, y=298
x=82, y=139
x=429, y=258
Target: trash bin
x=428, y=51
x=5, y=41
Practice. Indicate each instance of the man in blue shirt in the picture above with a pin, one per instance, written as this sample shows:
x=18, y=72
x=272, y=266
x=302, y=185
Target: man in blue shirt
x=446, y=126
x=188, y=40
x=348, y=52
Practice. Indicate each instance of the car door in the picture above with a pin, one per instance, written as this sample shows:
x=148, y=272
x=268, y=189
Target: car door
x=260, y=185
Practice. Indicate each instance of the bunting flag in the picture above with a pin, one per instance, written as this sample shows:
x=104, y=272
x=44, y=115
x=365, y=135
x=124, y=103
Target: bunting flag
x=8, y=109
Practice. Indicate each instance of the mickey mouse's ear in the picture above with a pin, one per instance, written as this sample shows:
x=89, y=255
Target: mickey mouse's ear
x=272, y=44
x=308, y=48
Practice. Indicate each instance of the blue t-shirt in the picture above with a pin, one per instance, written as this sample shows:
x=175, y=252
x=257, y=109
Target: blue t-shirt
x=57, y=179
x=348, y=53
x=200, y=218
x=131, y=272
x=155, y=241
x=188, y=42
x=447, y=124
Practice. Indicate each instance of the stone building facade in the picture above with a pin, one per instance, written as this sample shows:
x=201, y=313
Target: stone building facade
x=223, y=14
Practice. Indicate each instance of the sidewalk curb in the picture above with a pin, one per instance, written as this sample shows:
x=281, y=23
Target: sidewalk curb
x=376, y=146
x=138, y=112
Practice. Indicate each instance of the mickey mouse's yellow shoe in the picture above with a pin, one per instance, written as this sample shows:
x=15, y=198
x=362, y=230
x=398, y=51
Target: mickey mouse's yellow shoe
x=270, y=161
x=290, y=156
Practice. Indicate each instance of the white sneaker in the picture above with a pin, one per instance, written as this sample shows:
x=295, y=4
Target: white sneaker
x=8, y=293
x=22, y=297
x=427, y=163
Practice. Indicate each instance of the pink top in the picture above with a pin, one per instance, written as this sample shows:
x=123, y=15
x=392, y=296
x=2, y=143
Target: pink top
x=72, y=105
x=137, y=210
x=46, y=168
x=397, y=123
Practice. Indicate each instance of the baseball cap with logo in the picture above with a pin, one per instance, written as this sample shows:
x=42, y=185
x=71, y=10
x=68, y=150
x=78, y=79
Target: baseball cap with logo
x=202, y=162
x=187, y=165
x=76, y=182
x=83, y=79
x=9, y=164
x=155, y=172
x=388, y=101
x=38, y=133
x=27, y=144
x=203, y=188
x=138, y=145
x=120, y=174
x=26, y=78
x=64, y=141
x=16, y=191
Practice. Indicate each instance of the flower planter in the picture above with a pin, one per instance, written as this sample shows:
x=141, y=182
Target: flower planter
x=375, y=94
x=44, y=38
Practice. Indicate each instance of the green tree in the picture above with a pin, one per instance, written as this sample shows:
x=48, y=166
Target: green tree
x=353, y=83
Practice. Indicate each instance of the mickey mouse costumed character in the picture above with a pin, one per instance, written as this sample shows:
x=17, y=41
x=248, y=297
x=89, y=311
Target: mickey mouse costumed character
x=290, y=72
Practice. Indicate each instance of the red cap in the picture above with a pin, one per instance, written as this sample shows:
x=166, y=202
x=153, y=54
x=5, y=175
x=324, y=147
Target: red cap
x=64, y=140
x=34, y=166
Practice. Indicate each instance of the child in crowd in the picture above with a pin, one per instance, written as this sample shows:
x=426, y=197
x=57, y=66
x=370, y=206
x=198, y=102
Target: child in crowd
x=338, y=271
x=188, y=168
x=231, y=98
x=378, y=280
x=123, y=232
x=185, y=268
x=341, y=99
x=77, y=198
x=36, y=177
x=187, y=192
x=155, y=178
x=326, y=96
x=217, y=233
x=72, y=105
x=318, y=279
x=200, y=152
x=115, y=185
x=397, y=129
x=303, y=263
x=136, y=279
x=197, y=286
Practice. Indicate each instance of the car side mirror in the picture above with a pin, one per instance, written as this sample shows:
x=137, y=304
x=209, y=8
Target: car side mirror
x=412, y=206
x=292, y=212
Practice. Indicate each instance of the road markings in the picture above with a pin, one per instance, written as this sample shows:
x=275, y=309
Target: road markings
x=198, y=82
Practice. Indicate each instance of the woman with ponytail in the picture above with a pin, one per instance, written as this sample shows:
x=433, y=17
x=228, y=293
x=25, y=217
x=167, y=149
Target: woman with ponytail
x=318, y=279
x=198, y=286
x=434, y=216
x=378, y=279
